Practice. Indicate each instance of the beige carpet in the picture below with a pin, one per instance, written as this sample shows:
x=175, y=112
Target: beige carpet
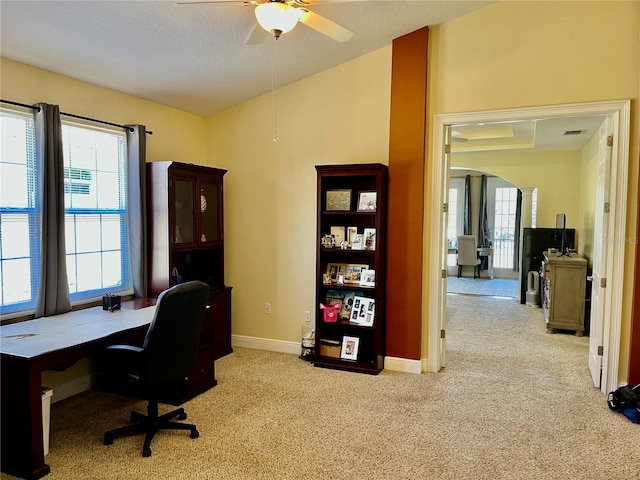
x=512, y=403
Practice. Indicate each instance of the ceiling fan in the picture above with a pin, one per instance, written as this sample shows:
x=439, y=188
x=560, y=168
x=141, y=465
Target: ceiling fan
x=280, y=16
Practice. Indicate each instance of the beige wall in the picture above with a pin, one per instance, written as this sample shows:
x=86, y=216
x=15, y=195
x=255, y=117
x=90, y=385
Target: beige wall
x=556, y=175
x=520, y=54
x=338, y=116
x=176, y=135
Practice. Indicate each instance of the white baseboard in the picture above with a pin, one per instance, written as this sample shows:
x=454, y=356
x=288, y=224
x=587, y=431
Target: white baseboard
x=266, y=344
x=404, y=365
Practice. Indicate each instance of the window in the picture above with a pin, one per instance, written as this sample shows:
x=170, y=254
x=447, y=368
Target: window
x=455, y=216
x=95, y=200
x=96, y=211
x=19, y=219
x=502, y=198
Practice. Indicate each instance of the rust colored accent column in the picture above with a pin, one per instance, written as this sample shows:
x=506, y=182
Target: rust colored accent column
x=407, y=143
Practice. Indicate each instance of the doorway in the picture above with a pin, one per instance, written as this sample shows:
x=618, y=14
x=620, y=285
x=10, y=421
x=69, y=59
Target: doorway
x=618, y=114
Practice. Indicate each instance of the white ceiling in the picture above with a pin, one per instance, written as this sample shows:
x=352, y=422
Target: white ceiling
x=193, y=57
x=545, y=134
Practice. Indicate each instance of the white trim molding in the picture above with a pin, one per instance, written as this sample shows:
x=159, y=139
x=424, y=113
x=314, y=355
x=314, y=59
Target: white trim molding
x=619, y=111
x=272, y=345
x=404, y=365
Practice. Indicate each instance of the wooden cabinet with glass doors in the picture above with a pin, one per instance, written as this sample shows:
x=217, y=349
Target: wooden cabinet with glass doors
x=186, y=242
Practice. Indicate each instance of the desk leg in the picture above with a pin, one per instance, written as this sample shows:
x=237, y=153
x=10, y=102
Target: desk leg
x=22, y=449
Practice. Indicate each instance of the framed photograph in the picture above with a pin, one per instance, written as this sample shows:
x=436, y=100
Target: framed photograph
x=357, y=242
x=351, y=232
x=338, y=234
x=368, y=278
x=363, y=312
x=338, y=200
x=369, y=239
x=367, y=201
x=351, y=273
x=350, y=348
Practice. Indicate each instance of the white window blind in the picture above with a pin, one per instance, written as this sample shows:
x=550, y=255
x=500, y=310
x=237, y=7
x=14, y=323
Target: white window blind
x=19, y=213
x=95, y=194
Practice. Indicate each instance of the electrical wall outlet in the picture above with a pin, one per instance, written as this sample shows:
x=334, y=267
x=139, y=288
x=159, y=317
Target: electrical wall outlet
x=267, y=308
x=307, y=316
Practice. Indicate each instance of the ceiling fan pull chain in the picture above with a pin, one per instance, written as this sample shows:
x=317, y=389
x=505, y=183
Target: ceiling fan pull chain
x=274, y=94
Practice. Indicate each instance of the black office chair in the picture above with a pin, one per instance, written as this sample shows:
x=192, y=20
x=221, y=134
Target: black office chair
x=167, y=356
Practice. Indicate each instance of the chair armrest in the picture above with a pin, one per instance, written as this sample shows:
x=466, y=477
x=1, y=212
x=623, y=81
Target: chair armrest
x=122, y=358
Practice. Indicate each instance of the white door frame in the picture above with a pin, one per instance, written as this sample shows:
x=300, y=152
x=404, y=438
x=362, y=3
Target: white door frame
x=434, y=295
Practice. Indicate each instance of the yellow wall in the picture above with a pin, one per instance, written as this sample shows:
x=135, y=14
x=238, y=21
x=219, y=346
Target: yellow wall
x=338, y=116
x=521, y=54
x=177, y=135
x=556, y=175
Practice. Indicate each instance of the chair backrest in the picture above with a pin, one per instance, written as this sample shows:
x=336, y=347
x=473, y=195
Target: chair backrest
x=467, y=250
x=171, y=344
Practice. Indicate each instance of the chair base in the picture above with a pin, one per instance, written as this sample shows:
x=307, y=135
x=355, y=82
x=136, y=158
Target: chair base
x=476, y=268
x=149, y=425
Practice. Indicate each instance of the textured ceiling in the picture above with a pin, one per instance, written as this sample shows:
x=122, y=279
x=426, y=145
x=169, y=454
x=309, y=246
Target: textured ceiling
x=193, y=57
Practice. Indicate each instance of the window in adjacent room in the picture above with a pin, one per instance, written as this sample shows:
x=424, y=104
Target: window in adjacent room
x=501, y=200
x=455, y=216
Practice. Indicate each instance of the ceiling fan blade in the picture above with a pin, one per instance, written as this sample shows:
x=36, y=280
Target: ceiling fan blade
x=256, y=36
x=204, y=2
x=324, y=25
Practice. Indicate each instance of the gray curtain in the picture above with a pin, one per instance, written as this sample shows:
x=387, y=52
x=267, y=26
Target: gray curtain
x=467, y=205
x=53, y=293
x=483, y=224
x=137, y=195
x=516, y=235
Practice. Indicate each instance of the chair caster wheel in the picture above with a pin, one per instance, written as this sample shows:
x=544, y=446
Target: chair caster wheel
x=195, y=433
x=146, y=452
x=108, y=440
x=182, y=416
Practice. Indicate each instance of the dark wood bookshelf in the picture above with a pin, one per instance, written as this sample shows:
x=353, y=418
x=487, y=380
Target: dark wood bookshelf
x=355, y=178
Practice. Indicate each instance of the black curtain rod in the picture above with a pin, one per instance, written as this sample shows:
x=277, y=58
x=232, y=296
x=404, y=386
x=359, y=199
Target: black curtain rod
x=35, y=107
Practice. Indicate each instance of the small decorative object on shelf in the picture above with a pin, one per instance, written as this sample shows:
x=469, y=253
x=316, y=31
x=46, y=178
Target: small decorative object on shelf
x=350, y=347
x=357, y=274
x=330, y=312
x=328, y=241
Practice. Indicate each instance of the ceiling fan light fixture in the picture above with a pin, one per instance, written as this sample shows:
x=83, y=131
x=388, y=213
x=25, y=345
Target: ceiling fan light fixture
x=276, y=17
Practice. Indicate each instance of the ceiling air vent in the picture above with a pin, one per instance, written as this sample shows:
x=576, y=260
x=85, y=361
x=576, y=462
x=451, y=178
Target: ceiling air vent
x=574, y=132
